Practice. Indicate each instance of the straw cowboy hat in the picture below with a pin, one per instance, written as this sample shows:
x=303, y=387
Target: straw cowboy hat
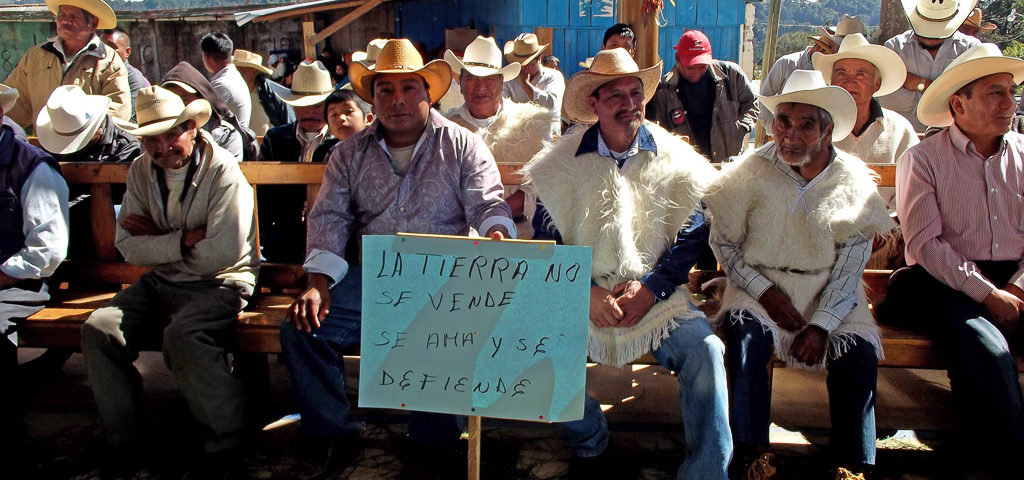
x=847, y=26
x=977, y=62
x=586, y=63
x=937, y=19
x=158, y=110
x=70, y=119
x=889, y=65
x=369, y=57
x=608, y=65
x=400, y=56
x=98, y=9
x=523, y=49
x=974, y=20
x=247, y=59
x=8, y=96
x=311, y=84
x=808, y=86
x=482, y=59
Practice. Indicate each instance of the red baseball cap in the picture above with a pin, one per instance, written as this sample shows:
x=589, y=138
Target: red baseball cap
x=694, y=48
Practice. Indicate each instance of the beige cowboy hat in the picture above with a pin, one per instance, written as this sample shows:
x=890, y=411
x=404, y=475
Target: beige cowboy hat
x=977, y=62
x=8, y=96
x=608, y=65
x=931, y=19
x=808, y=86
x=586, y=63
x=98, y=9
x=70, y=119
x=821, y=41
x=482, y=59
x=974, y=20
x=247, y=59
x=847, y=26
x=158, y=110
x=400, y=56
x=523, y=49
x=886, y=61
x=369, y=57
x=311, y=84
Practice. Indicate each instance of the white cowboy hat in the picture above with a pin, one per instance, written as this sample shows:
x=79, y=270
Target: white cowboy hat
x=70, y=119
x=889, y=65
x=977, y=62
x=247, y=59
x=608, y=65
x=158, y=110
x=311, y=84
x=98, y=8
x=808, y=86
x=8, y=96
x=937, y=19
x=400, y=56
x=847, y=26
x=523, y=49
x=482, y=59
x=369, y=57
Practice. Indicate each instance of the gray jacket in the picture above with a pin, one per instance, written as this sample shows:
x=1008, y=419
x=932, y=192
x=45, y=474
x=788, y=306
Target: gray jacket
x=735, y=111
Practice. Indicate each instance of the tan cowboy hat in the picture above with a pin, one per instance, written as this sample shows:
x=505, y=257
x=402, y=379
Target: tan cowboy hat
x=98, y=9
x=808, y=86
x=822, y=42
x=931, y=19
x=586, y=63
x=369, y=57
x=70, y=119
x=886, y=61
x=311, y=84
x=158, y=110
x=482, y=59
x=608, y=65
x=400, y=56
x=523, y=49
x=974, y=20
x=847, y=26
x=247, y=59
x=8, y=96
x=977, y=62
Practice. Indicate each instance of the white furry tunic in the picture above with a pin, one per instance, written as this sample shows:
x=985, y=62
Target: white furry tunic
x=629, y=219
x=793, y=241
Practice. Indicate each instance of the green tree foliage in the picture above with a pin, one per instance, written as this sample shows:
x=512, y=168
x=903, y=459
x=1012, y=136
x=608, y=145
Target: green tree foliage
x=799, y=18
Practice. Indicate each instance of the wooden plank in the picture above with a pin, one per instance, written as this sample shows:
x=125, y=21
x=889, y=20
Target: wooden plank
x=91, y=173
x=343, y=21
x=545, y=35
x=707, y=14
x=558, y=13
x=631, y=12
x=101, y=212
x=886, y=172
x=257, y=173
x=308, y=10
x=473, y=449
x=308, y=32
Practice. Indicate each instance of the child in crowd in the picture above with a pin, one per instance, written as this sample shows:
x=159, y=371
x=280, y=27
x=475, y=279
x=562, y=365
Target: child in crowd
x=346, y=113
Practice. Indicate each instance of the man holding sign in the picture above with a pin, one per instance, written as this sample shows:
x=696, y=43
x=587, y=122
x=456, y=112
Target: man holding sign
x=411, y=171
x=628, y=189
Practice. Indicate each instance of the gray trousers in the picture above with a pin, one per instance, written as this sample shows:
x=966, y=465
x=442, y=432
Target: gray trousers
x=193, y=318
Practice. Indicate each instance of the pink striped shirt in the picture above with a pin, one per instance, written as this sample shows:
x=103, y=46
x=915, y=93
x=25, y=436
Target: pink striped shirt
x=957, y=207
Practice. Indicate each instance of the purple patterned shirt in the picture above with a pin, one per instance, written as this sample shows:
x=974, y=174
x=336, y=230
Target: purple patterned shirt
x=452, y=185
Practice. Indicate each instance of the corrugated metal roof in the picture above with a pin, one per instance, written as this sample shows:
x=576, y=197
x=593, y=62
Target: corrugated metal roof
x=245, y=17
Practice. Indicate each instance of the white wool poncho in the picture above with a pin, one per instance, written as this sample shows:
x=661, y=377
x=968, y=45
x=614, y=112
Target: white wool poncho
x=793, y=241
x=629, y=219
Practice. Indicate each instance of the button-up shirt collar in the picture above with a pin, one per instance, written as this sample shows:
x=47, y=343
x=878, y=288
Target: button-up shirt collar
x=593, y=142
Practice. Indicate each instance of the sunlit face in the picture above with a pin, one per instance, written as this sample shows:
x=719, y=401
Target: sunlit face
x=989, y=108
x=311, y=118
x=173, y=148
x=482, y=94
x=345, y=119
x=798, y=136
x=531, y=69
x=119, y=43
x=72, y=26
x=857, y=77
x=693, y=73
x=401, y=102
x=619, y=104
x=618, y=41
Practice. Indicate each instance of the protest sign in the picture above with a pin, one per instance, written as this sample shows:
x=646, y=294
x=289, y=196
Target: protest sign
x=474, y=326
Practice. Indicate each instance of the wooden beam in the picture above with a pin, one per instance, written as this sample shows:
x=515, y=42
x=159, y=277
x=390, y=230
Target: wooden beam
x=545, y=35
x=338, y=25
x=774, y=11
x=308, y=46
x=631, y=13
x=308, y=10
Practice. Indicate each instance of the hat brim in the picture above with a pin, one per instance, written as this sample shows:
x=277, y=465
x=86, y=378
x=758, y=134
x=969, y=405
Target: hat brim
x=197, y=110
x=523, y=60
x=887, y=62
x=99, y=9
x=260, y=68
x=65, y=144
x=184, y=86
x=437, y=74
x=583, y=84
x=933, y=109
x=932, y=29
x=297, y=99
x=508, y=72
x=702, y=59
x=8, y=98
x=836, y=101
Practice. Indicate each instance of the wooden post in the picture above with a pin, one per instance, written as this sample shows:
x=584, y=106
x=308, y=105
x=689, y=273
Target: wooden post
x=760, y=136
x=630, y=12
x=545, y=35
x=308, y=47
x=473, y=449
x=892, y=20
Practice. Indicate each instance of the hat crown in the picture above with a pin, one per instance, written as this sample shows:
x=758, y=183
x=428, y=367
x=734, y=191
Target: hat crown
x=483, y=52
x=247, y=56
x=69, y=110
x=612, y=62
x=937, y=10
x=374, y=48
x=157, y=103
x=399, y=54
x=852, y=42
x=524, y=45
x=801, y=80
x=849, y=25
x=311, y=78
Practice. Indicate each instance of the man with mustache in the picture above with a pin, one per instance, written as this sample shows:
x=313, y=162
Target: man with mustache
x=931, y=44
x=793, y=223
x=631, y=190
x=187, y=214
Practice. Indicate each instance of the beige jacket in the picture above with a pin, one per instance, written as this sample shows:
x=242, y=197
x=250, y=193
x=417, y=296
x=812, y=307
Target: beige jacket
x=38, y=73
x=217, y=197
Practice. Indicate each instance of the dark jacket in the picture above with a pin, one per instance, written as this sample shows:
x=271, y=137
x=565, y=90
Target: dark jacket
x=223, y=125
x=277, y=111
x=114, y=145
x=280, y=145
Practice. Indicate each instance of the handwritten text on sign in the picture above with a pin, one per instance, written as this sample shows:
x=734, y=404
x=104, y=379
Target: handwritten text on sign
x=474, y=327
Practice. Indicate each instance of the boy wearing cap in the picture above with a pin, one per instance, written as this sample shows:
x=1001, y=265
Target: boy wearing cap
x=958, y=195
x=793, y=223
x=710, y=101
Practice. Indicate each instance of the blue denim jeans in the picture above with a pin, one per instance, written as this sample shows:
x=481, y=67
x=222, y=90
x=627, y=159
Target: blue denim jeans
x=852, y=381
x=317, y=372
x=697, y=356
